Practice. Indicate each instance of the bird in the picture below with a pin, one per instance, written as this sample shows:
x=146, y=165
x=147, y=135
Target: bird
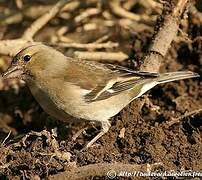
x=88, y=90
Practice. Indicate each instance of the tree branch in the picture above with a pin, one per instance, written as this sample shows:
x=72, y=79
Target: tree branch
x=163, y=38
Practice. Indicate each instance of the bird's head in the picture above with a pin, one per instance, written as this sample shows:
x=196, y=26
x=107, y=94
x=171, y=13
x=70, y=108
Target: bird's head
x=33, y=60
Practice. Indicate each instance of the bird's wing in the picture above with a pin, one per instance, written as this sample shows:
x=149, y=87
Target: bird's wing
x=110, y=89
x=104, y=80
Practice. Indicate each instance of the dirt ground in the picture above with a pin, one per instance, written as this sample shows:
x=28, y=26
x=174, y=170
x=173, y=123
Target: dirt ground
x=167, y=130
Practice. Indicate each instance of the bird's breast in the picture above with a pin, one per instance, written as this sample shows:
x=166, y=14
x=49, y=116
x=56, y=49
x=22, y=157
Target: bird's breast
x=48, y=100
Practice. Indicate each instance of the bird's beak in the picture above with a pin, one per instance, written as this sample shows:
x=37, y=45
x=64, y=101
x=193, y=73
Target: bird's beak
x=14, y=71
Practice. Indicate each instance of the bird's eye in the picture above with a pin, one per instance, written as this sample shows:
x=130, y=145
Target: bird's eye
x=27, y=58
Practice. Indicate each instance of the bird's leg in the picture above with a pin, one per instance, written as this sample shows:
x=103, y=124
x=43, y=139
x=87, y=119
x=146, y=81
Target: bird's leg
x=105, y=128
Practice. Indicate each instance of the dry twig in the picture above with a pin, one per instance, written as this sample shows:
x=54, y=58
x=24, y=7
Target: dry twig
x=101, y=56
x=186, y=115
x=11, y=47
x=86, y=13
x=5, y=139
x=88, y=45
x=30, y=12
x=118, y=10
x=43, y=20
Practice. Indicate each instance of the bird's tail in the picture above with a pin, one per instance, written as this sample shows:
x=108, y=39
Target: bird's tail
x=173, y=76
x=162, y=78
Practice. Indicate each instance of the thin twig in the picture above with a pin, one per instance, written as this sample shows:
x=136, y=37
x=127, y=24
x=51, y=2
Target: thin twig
x=86, y=13
x=12, y=46
x=101, y=56
x=2, y=144
x=196, y=13
x=118, y=10
x=43, y=20
x=88, y=45
x=102, y=39
x=188, y=114
x=179, y=8
x=5, y=166
x=30, y=12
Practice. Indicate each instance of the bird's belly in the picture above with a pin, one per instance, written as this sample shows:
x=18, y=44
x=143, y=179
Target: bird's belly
x=99, y=110
x=73, y=104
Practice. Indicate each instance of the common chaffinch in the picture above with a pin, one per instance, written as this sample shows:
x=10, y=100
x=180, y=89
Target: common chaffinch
x=84, y=89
